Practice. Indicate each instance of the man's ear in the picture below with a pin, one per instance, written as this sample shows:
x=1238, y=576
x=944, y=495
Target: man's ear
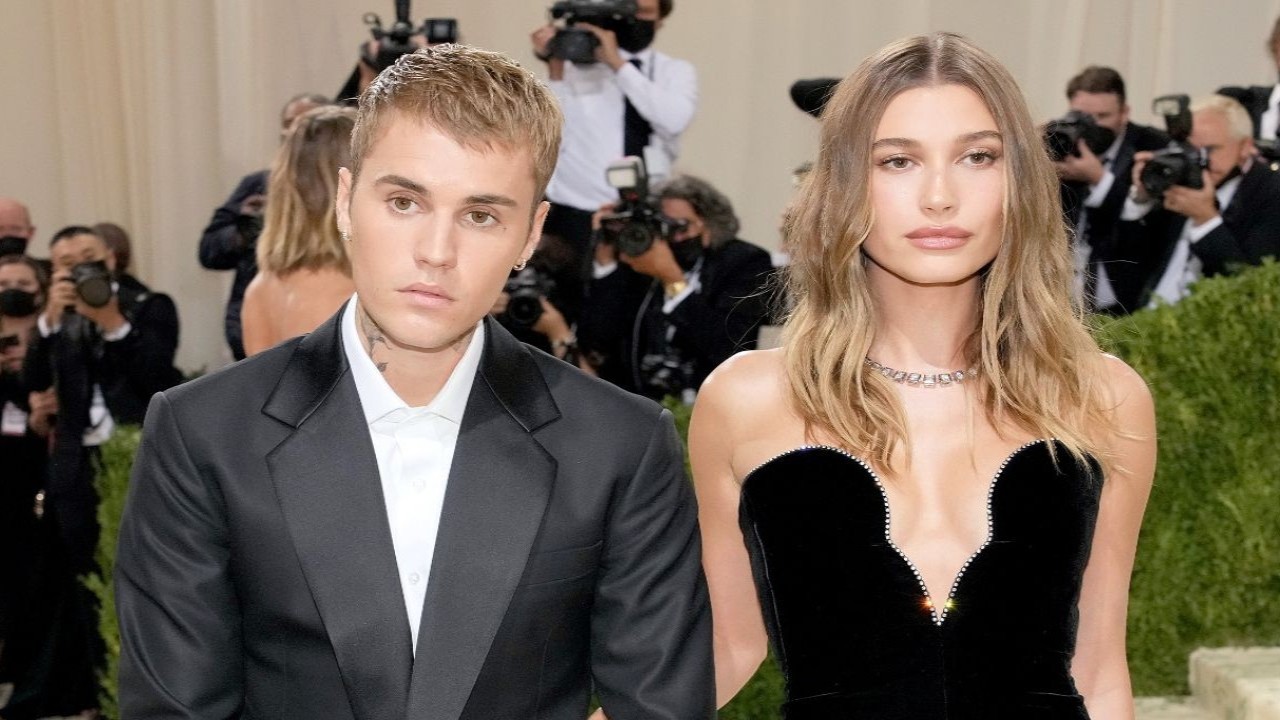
x=535, y=229
x=342, y=201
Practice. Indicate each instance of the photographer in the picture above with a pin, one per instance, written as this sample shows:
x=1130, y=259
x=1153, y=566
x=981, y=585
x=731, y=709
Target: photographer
x=230, y=238
x=106, y=349
x=1095, y=184
x=16, y=229
x=660, y=321
x=530, y=306
x=1233, y=219
x=627, y=99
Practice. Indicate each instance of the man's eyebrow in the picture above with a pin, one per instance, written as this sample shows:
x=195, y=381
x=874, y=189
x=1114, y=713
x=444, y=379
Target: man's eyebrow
x=908, y=143
x=401, y=181
x=490, y=199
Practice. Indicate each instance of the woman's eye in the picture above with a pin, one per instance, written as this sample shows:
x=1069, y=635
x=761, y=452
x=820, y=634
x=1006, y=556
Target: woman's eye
x=981, y=157
x=896, y=163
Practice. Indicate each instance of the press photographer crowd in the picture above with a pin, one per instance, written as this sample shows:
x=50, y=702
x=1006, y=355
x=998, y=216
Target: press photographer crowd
x=640, y=279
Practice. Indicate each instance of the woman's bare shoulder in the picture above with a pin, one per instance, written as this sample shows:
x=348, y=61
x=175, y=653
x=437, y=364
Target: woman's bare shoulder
x=747, y=378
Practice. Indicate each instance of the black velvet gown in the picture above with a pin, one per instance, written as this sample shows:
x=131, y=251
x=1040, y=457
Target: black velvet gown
x=848, y=615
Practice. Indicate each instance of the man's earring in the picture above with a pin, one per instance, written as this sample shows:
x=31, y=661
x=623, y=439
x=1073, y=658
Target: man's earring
x=345, y=236
x=520, y=265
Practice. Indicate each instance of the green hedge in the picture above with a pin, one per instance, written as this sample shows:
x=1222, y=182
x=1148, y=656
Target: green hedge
x=1207, y=572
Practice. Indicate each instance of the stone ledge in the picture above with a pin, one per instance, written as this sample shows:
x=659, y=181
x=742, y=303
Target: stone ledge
x=1238, y=683
x=1170, y=708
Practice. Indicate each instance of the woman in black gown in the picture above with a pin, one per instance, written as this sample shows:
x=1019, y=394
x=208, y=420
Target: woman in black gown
x=928, y=499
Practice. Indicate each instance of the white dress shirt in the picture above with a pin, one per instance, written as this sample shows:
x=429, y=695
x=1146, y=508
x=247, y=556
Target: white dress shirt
x=101, y=425
x=664, y=90
x=1184, y=268
x=414, y=449
x=1103, y=294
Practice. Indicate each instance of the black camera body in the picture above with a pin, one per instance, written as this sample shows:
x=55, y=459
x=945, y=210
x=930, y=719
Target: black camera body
x=398, y=40
x=578, y=45
x=93, y=283
x=637, y=218
x=1062, y=136
x=525, y=290
x=1181, y=163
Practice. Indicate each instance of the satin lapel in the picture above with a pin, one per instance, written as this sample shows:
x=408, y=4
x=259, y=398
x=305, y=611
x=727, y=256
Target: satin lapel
x=326, y=478
x=499, y=486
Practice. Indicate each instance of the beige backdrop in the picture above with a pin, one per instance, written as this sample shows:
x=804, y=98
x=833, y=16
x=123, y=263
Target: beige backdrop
x=146, y=112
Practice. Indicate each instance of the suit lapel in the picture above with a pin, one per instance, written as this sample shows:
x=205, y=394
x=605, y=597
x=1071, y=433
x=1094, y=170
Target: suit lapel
x=326, y=478
x=498, y=490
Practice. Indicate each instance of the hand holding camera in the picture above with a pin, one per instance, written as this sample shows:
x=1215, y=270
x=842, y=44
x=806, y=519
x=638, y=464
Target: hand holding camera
x=1084, y=166
x=85, y=289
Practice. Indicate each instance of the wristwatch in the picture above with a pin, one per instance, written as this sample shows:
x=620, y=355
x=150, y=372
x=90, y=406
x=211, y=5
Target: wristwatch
x=675, y=288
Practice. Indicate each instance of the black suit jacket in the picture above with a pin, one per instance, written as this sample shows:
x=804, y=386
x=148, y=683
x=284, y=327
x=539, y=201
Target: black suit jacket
x=223, y=246
x=1254, y=98
x=721, y=318
x=256, y=576
x=129, y=371
x=1250, y=231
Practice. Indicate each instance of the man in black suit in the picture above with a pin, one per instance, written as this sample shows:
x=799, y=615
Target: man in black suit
x=1094, y=188
x=1262, y=102
x=1234, y=220
x=105, y=362
x=406, y=513
x=658, y=323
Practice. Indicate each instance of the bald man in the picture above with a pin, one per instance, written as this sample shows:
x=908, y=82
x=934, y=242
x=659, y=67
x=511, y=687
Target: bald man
x=16, y=229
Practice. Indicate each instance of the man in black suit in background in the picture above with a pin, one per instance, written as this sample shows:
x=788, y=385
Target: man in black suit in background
x=406, y=513
x=658, y=323
x=1231, y=222
x=1094, y=188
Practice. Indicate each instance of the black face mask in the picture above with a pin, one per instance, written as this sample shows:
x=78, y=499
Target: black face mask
x=687, y=252
x=17, y=303
x=13, y=245
x=636, y=35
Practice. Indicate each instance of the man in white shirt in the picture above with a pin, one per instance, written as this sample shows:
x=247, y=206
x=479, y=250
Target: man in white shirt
x=1189, y=233
x=633, y=100
x=407, y=513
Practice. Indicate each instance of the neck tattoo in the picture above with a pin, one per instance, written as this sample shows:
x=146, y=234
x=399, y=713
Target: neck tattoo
x=373, y=337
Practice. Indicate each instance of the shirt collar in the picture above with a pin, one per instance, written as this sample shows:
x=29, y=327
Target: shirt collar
x=645, y=56
x=378, y=399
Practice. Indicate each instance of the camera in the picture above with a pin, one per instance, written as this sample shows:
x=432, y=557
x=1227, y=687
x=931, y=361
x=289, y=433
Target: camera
x=1181, y=163
x=666, y=374
x=579, y=45
x=637, y=219
x=93, y=283
x=525, y=290
x=397, y=41
x=1062, y=136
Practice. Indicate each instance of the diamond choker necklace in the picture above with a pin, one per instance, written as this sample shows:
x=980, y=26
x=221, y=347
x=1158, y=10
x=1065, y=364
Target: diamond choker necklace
x=906, y=378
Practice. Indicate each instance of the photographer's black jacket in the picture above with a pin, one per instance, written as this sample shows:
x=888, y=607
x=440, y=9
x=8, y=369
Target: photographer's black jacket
x=723, y=317
x=224, y=247
x=1250, y=231
x=129, y=371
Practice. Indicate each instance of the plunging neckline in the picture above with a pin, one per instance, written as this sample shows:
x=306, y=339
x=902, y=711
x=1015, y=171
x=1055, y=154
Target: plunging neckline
x=938, y=614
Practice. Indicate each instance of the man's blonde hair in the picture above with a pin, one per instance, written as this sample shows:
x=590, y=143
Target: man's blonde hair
x=1238, y=120
x=478, y=98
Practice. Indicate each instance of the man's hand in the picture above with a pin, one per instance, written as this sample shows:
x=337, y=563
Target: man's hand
x=1086, y=168
x=1200, y=205
x=541, y=40
x=607, y=53
x=657, y=262
x=108, y=317
x=605, y=253
x=551, y=325
x=44, y=407
x=1140, y=160
x=62, y=296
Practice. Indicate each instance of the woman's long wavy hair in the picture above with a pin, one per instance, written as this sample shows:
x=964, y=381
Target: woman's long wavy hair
x=301, y=230
x=1039, y=368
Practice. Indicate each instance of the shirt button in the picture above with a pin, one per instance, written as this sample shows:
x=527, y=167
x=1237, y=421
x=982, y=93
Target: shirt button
x=414, y=578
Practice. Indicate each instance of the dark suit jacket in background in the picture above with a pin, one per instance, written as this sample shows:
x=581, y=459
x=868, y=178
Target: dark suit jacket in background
x=721, y=318
x=1254, y=98
x=223, y=247
x=129, y=371
x=1101, y=227
x=1250, y=231
x=256, y=576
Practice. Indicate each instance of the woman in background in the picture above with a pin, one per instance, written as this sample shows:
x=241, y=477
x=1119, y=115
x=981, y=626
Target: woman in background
x=304, y=275
x=929, y=498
